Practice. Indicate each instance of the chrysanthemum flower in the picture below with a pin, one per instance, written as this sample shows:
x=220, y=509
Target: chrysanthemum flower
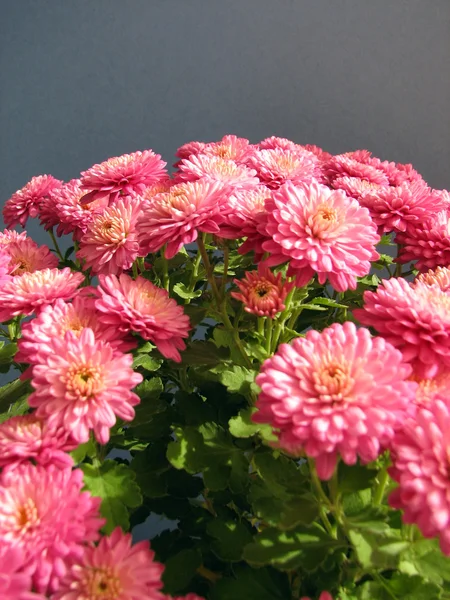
x=83, y=385
x=158, y=188
x=110, y=244
x=4, y=267
x=355, y=187
x=338, y=392
x=262, y=292
x=218, y=169
x=400, y=208
x=126, y=174
x=230, y=147
x=175, y=218
x=320, y=231
x=15, y=584
x=439, y=276
x=114, y=570
x=399, y=174
x=276, y=167
x=25, y=256
x=25, y=202
x=274, y=142
x=29, y=293
x=429, y=390
x=190, y=148
x=44, y=514
x=355, y=164
x=140, y=306
x=321, y=154
x=188, y=597
x=323, y=596
x=56, y=319
x=420, y=454
x=414, y=319
x=29, y=437
x=428, y=243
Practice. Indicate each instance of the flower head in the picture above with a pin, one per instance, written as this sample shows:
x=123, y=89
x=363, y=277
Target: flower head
x=175, y=218
x=126, y=174
x=277, y=166
x=439, y=276
x=15, y=583
x=262, y=292
x=230, y=147
x=320, y=231
x=29, y=293
x=110, y=244
x=25, y=256
x=190, y=148
x=429, y=390
x=217, y=169
x=355, y=164
x=83, y=385
x=25, y=202
x=338, y=392
x=4, y=267
x=421, y=467
x=140, y=306
x=414, y=319
x=46, y=516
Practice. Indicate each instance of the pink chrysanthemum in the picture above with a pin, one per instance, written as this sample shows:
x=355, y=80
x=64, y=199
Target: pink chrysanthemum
x=158, y=188
x=83, y=385
x=8, y=236
x=400, y=174
x=55, y=320
x=29, y=293
x=355, y=187
x=230, y=147
x=25, y=256
x=126, y=174
x=429, y=390
x=175, y=218
x=428, y=243
x=114, y=570
x=414, y=319
x=140, y=306
x=215, y=168
x=110, y=244
x=28, y=437
x=321, y=154
x=274, y=143
x=354, y=164
x=188, y=597
x=245, y=217
x=15, y=584
x=400, y=208
x=323, y=596
x=4, y=267
x=320, y=231
x=44, y=514
x=190, y=148
x=335, y=392
x=276, y=167
x=421, y=467
x=25, y=202
x=440, y=277
x=262, y=292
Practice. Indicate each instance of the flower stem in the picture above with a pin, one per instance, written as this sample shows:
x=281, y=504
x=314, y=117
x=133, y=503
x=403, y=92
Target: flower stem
x=383, y=479
x=194, y=276
x=226, y=259
x=165, y=265
x=324, y=502
x=269, y=331
x=55, y=244
x=261, y=325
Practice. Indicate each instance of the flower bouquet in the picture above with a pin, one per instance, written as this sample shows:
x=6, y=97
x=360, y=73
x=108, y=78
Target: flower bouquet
x=249, y=354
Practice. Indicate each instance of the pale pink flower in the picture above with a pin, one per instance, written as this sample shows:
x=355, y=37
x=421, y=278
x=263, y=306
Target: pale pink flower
x=355, y=187
x=175, y=218
x=230, y=147
x=110, y=244
x=4, y=267
x=29, y=293
x=355, y=164
x=431, y=389
x=56, y=319
x=83, y=385
x=140, y=306
x=127, y=174
x=439, y=276
x=321, y=231
x=25, y=256
x=157, y=188
x=277, y=166
x=115, y=570
x=262, y=292
x=338, y=392
x=25, y=202
x=321, y=154
x=215, y=168
x=414, y=319
x=274, y=142
x=420, y=455
x=398, y=173
x=428, y=243
x=15, y=584
x=323, y=596
x=29, y=437
x=46, y=516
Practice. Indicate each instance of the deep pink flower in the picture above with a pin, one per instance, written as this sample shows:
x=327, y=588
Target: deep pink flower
x=190, y=148
x=126, y=174
x=262, y=292
x=46, y=516
x=25, y=256
x=140, y=306
x=25, y=202
x=398, y=173
x=338, y=392
x=414, y=319
x=82, y=385
x=356, y=187
x=428, y=243
x=321, y=154
x=56, y=319
x=431, y=389
x=175, y=218
x=29, y=293
x=110, y=244
x=277, y=166
x=9, y=235
x=15, y=584
x=355, y=164
x=421, y=467
x=215, y=168
x=320, y=231
x=230, y=147
x=114, y=570
x=4, y=267
x=29, y=437
x=439, y=276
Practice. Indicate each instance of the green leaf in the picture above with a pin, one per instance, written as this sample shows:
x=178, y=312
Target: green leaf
x=305, y=547
x=7, y=353
x=354, y=478
x=328, y=302
x=280, y=473
x=147, y=362
x=223, y=337
x=151, y=404
x=83, y=450
x=252, y=584
x=180, y=569
x=204, y=353
x=182, y=291
x=187, y=450
x=115, y=485
x=237, y=379
x=230, y=538
x=367, y=548
x=242, y=426
x=424, y=557
x=12, y=392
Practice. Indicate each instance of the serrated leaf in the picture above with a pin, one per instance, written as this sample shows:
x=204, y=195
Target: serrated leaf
x=242, y=426
x=149, y=392
x=187, y=450
x=424, y=557
x=83, y=450
x=7, y=353
x=180, y=569
x=146, y=362
x=204, y=353
x=328, y=302
x=252, y=584
x=114, y=483
x=230, y=538
x=280, y=473
x=182, y=291
x=237, y=379
x=354, y=478
x=12, y=392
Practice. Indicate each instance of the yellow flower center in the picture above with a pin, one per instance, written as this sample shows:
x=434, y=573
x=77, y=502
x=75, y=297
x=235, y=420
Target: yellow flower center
x=27, y=516
x=101, y=584
x=333, y=382
x=84, y=381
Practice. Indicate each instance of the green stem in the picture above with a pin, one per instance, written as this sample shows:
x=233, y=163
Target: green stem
x=55, y=244
x=226, y=259
x=381, y=581
x=383, y=479
x=398, y=270
x=135, y=270
x=324, y=502
x=194, y=276
x=261, y=325
x=165, y=265
x=209, y=269
x=269, y=331
x=4, y=333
